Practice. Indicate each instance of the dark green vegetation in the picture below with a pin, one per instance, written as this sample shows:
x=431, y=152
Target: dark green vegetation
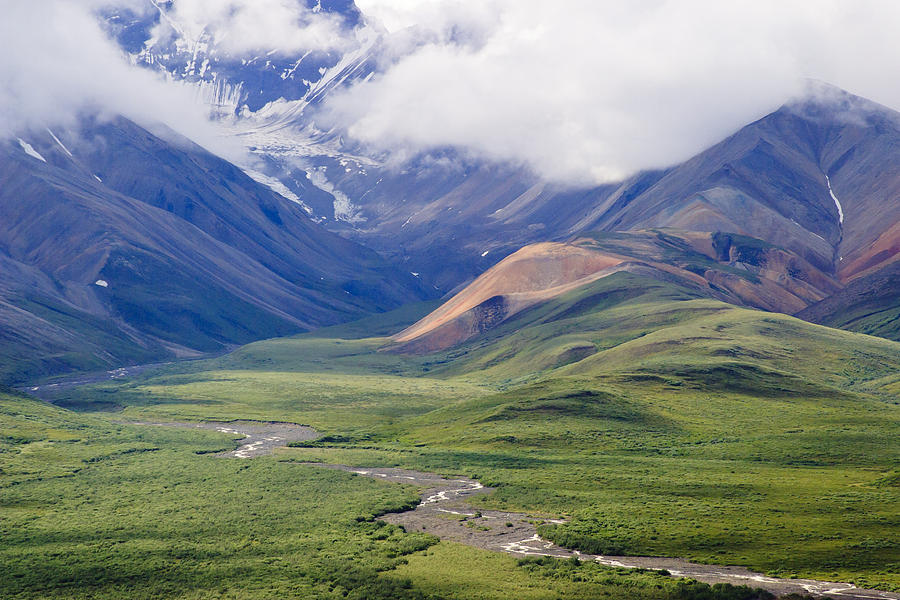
x=466, y=573
x=659, y=422
x=96, y=510
x=93, y=509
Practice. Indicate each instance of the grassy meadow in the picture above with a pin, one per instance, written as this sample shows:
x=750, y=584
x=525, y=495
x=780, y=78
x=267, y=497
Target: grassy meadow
x=657, y=422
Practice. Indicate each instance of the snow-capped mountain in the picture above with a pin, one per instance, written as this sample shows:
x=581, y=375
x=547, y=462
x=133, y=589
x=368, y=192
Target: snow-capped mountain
x=797, y=178
x=230, y=82
x=264, y=98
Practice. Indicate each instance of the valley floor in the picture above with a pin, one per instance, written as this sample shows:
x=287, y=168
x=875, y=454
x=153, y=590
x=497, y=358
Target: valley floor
x=697, y=430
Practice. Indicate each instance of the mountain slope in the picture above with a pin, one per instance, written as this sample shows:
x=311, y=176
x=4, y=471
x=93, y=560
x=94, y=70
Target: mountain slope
x=728, y=267
x=176, y=247
x=778, y=179
x=868, y=304
x=817, y=177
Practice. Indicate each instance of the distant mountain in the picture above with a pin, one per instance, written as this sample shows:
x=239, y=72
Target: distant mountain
x=801, y=211
x=121, y=245
x=816, y=180
x=231, y=83
x=266, y=99
x=818, y=177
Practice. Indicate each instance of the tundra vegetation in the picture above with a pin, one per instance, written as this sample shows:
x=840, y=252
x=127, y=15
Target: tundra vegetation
x=655, y=422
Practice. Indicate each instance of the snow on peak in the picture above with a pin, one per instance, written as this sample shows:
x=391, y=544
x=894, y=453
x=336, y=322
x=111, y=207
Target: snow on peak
x=30, y=151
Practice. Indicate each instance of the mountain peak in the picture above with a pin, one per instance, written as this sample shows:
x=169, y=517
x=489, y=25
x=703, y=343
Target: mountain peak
x=823, y=100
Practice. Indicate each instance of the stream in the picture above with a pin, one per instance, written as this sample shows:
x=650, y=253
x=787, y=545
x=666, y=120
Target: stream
x=444, y=511
x=259, y=437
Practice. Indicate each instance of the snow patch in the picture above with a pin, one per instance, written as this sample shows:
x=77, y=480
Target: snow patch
x=837, y=202
x=278, y=187
x=61, y=145
x=344, y=209
x=30, y=151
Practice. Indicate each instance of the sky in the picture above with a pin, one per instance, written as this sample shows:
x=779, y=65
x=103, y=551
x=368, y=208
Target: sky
x=584, y=91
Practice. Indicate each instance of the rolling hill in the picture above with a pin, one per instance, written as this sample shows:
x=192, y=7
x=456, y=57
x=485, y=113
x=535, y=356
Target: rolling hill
x=729, y=267
x=616, y=404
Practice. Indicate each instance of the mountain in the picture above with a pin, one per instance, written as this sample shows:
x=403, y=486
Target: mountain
x=265, y=97
x=201, y=56
x=795, y=213
x=814, y=183
x=119, y=245
x=817, y=177
x=728, y=267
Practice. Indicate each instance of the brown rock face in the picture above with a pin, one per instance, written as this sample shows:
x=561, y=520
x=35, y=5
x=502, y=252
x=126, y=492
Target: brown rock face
x=728, y=267
x=533, y=274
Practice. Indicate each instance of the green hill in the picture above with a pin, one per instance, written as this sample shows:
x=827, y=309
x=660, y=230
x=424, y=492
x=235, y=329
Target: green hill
x=657, y=422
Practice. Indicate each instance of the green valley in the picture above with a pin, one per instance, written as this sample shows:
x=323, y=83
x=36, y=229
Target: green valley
x=656, y=422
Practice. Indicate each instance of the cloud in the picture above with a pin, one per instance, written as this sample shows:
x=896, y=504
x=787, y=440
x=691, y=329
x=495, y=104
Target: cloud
x=59, y=63
x=593, y=90
x=582, y=91
x=239, y=27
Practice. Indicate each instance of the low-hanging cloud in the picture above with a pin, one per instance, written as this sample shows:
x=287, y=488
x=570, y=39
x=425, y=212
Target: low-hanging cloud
x=239, y=27
x=582, y=91
x=58, y=63
x=593, y=90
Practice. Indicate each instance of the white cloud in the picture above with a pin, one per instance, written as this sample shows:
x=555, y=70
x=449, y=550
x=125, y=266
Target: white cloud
x=245, y=26
x=579, y=90
x=59, y=63
x=593, y=90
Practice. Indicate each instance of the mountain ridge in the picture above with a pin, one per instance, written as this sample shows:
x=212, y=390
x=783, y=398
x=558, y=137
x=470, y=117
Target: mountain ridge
x=174, y=250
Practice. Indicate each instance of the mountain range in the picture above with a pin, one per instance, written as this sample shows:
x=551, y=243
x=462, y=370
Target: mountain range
x=119, y=245
x=125, y=242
